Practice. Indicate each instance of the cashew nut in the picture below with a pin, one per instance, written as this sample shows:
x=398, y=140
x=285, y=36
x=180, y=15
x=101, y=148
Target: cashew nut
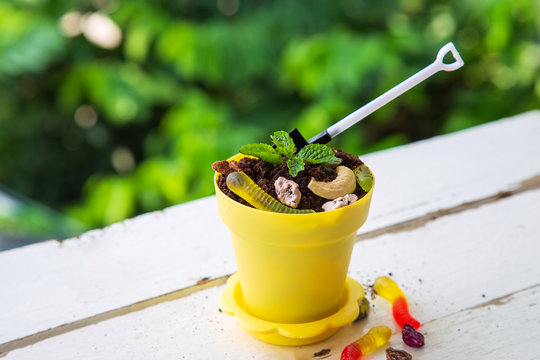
x=343, y=184
x=288, y=192
x=340, y=202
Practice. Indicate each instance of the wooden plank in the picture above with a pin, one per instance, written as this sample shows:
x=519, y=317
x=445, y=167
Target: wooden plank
x=469, y=271
x=162, y=252
x=53, y=283
x=508, y=328
x=448, y=171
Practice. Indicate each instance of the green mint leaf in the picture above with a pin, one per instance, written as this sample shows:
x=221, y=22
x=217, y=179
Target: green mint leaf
x=363, y=177
x=284, y=143
x=295, y=165
x=317, y=154
x=262, y=151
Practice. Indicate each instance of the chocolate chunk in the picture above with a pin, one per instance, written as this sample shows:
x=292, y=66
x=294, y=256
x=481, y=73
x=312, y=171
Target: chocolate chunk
x=221, y=167
x=395, y=354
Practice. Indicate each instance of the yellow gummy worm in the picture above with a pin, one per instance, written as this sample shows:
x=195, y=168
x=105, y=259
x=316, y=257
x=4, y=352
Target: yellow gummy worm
x=240, y=184
x=387, y=288
x=375, y=338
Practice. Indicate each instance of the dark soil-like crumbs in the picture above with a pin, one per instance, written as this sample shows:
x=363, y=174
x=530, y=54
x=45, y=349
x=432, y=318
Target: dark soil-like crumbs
x=265, y=174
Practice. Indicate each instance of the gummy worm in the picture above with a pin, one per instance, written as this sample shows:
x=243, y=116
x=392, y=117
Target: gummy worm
x=388, y=289
x=240, y=184
x=375, y=338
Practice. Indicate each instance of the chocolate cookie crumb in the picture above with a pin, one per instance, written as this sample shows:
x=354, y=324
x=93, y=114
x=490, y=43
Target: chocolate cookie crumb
x=323, y=352
x=225, y=167
x=221, y=166
x=349, y=160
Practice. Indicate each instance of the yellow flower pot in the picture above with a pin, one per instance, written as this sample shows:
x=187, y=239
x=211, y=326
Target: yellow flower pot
x=292, y=268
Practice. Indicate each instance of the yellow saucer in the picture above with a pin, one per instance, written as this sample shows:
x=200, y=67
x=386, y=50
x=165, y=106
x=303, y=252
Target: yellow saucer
x=231, y=302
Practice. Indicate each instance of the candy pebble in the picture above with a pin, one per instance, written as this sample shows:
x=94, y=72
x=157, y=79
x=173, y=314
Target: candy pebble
x=374, y=339
x=240, y=184
x=388, y=289
x=412, y=337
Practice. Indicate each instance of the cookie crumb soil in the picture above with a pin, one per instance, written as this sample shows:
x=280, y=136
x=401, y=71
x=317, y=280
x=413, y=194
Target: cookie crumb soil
x=265, y=174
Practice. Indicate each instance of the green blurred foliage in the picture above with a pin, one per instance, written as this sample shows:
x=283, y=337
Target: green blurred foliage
x=108, y=132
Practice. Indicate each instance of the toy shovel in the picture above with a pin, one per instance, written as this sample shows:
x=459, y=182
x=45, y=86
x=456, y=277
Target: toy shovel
x=383, y=99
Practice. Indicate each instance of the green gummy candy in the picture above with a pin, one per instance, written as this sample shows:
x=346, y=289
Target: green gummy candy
x=363, y=177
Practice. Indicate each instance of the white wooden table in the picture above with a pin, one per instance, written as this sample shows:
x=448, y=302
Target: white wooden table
x=455, y=220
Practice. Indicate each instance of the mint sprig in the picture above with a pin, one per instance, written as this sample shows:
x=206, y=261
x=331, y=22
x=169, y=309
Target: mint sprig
x=313, y=153
x=284, y=143
x=295, y=165
x=316, y=153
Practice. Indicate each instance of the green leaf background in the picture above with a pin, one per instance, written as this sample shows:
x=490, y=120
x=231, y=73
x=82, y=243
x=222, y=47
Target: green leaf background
x=191, y=82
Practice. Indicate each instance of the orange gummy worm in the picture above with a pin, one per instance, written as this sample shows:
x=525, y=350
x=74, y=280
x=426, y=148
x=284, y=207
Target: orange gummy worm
x=388, y=289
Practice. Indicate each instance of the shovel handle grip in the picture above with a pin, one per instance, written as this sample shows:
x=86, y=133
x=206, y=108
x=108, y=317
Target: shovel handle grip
x=449, y=48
